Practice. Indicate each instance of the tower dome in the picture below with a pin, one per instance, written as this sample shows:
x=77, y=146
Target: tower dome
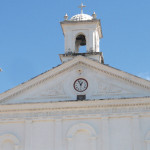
x=81, y=17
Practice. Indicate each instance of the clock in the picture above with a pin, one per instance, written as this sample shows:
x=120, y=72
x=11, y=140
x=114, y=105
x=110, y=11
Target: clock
x=80, y=85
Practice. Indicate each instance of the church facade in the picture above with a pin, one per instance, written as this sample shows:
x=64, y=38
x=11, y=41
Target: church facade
x=81, y=104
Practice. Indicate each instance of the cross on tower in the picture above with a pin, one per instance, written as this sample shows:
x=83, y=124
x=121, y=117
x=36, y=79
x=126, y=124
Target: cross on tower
x=81, y=6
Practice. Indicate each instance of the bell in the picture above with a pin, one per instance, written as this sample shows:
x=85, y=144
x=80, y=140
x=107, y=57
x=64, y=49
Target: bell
x=83, y=42
x=82, y=39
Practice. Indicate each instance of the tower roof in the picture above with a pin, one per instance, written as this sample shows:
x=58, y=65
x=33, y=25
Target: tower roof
x=81, y=17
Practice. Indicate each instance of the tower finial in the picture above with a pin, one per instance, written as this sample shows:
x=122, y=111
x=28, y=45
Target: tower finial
x=81, y=6
x=66, y=17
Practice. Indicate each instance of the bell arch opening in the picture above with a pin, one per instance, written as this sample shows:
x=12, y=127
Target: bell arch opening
x=80, y=43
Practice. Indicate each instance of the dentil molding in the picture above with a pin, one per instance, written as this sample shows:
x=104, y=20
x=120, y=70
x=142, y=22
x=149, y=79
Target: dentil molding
x=80, y=108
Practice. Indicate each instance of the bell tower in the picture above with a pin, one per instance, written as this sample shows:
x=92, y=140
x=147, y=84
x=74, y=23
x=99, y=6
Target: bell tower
x=82, y=30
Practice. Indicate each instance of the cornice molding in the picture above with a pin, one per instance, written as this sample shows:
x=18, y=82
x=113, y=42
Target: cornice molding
x=131, y=79
x=71, y=108
x=121, y=77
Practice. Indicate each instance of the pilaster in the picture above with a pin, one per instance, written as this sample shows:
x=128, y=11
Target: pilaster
x=28, y=135
x=58, y=134
x=105, y=133
x=136, y=133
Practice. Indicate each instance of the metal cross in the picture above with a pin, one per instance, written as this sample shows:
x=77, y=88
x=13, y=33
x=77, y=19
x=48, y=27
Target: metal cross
x=81, y=6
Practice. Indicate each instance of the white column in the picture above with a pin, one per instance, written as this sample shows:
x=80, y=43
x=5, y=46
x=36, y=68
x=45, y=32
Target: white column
x=66, y=42
x=90, y=45
x=28, y=134
x=97, y=41
x=105, y=133
x=58, y=134
x=136, y=133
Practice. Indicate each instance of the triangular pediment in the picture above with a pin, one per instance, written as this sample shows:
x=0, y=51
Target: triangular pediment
x=57, y=84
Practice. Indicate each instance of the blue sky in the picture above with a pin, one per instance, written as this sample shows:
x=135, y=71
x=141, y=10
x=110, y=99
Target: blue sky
x=31, y=37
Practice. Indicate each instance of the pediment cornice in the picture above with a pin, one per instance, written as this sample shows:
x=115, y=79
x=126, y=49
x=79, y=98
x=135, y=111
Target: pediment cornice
x=51, y=74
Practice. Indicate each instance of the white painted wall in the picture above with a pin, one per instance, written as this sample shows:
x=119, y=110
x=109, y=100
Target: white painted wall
x=87, y=132
x=89, y=29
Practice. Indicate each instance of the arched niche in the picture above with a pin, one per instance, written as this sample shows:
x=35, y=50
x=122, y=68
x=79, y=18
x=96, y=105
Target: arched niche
x=9, y=142
x=81, y=136
x=80, y=41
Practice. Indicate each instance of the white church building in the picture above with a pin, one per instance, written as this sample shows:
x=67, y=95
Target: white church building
x=81, y=104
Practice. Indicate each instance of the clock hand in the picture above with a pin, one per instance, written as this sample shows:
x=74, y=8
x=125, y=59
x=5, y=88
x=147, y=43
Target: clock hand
x=80, y=82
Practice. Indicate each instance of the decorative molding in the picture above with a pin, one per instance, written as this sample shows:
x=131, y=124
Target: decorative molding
x=33, y=85
x=103, y=89
x=56, y=91
x=11, y=138
x=64, y=109
x=101, y=69
x=69, y=65
x=108, y=89
x=84, y=128
x=81, y=126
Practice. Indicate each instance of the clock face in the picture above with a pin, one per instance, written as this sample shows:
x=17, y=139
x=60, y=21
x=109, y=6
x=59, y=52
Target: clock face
x=80, y=85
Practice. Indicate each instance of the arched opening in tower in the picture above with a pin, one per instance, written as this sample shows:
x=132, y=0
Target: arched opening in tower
x=80, y=44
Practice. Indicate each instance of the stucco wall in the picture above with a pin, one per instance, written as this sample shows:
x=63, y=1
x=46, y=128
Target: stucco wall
x=69, y=130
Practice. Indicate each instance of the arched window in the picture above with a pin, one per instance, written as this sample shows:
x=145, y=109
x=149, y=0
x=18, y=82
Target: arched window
x=80, y=43
x=9, y=142
x=81, y=136
x=7, y=145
